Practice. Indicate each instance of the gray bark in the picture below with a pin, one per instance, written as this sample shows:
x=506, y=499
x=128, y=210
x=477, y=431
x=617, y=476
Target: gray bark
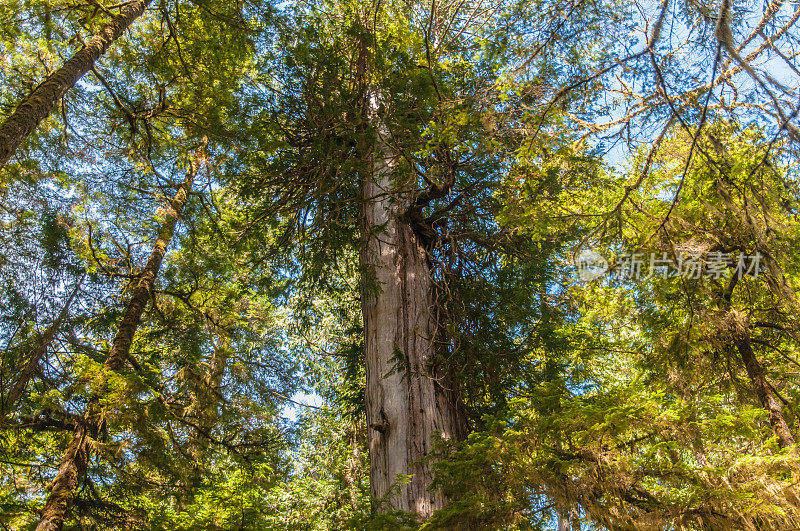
x=568, y=519
x=405, y=399
x=563, y=519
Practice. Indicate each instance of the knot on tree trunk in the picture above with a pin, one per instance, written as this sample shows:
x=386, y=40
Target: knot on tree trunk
x=383, y=426
x=421, y=227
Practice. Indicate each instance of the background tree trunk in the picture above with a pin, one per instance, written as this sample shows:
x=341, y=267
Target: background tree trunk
x=75, y=460
x=405, y=403
x=755, y=371
x=62, y=492
x=202, y=411
x=568, y=519
x=31, y=366
x=736, y=325
x=38, y=105
x=562, y=516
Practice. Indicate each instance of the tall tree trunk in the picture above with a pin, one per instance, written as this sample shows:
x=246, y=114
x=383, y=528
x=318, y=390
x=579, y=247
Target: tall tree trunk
x=405, y=401
x=568, y=519
x=62, y=492
x=202, y=411
x=38, y=105
x=755, y=371
x=206, y=397
x=32, y=365
x=562, y=516
x=735, y=325
x=76, y=458
x=353, y=473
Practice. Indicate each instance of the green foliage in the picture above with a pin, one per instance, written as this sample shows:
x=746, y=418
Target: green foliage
x=242, y=406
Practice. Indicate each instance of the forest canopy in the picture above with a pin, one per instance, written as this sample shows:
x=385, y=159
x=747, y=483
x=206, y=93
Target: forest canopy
x=515, y=264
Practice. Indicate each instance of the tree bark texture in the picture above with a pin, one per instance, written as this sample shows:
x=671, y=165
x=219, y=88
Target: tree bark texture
x=70, y=473
x=567, y=519
x=202, y=411
x=405, y=400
